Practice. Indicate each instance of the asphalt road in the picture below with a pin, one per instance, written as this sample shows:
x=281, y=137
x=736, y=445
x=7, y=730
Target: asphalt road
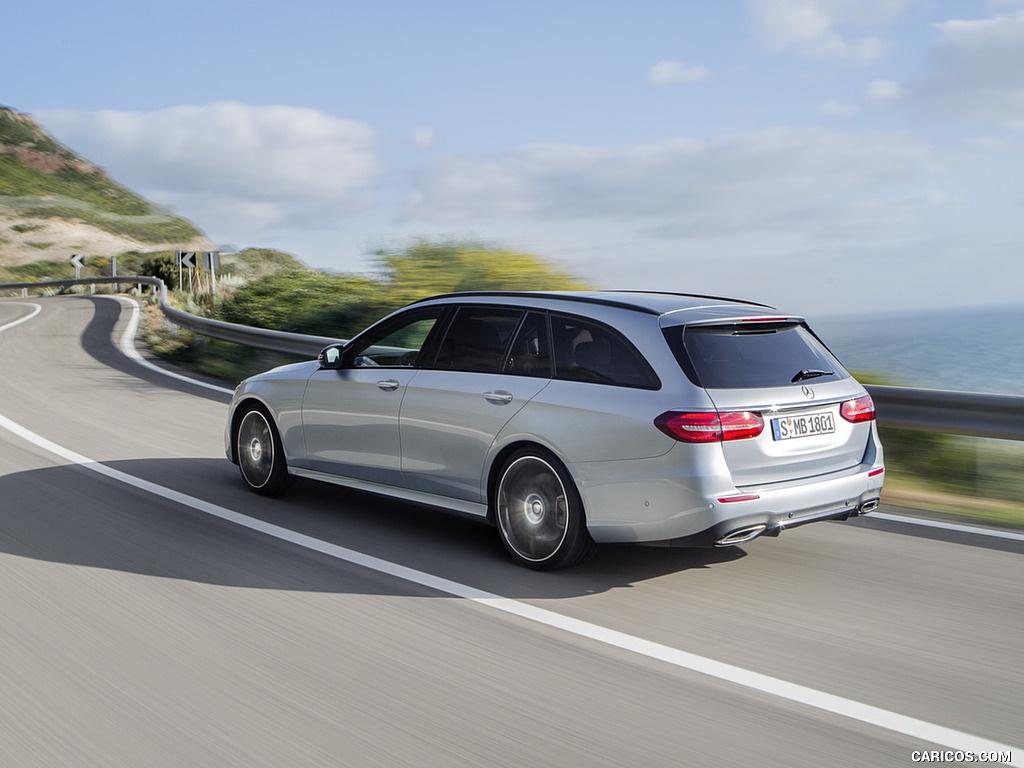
x=138, y=629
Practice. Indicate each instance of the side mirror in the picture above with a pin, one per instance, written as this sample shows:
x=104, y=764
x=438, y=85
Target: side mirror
x=330, y=357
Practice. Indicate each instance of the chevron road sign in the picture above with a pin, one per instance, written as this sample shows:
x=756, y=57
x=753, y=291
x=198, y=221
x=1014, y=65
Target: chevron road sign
x=211, y=260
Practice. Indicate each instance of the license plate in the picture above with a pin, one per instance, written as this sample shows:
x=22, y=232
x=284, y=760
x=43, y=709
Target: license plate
x=808, y=425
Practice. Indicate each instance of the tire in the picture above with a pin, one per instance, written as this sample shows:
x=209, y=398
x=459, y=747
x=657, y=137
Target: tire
x=260, y=453
x=539, y=512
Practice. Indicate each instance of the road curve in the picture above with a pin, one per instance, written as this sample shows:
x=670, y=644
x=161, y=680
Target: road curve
x=141, y=630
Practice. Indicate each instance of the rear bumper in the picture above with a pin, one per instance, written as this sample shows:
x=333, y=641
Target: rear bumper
x=695, y=517
x=741, y=530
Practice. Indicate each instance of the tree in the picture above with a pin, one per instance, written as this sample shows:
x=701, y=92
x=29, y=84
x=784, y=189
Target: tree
x=427, y=268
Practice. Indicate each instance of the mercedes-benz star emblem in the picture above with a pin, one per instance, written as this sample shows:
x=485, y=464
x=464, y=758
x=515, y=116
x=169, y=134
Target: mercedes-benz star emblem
x=808, y=392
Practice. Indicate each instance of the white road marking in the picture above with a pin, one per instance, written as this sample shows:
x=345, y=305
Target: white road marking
x=127, y=346
x=947, y=526
x=866, y=713
x=37, y=309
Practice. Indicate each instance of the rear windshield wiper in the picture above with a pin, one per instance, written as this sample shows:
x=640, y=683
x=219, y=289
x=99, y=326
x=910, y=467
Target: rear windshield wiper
x=810, y=374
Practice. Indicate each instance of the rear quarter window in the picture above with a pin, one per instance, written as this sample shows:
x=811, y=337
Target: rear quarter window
x=751, y=356
x=586, y=350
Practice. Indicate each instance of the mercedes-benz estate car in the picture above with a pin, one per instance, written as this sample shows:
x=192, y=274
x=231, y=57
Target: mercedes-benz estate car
x=569, y=419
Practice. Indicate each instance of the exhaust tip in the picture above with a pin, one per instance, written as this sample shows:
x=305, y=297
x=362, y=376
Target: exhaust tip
x=741, y=535
x=868, y=506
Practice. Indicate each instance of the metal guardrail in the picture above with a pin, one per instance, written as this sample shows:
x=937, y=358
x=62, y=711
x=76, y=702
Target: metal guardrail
x=954, y=413
x=929, y=410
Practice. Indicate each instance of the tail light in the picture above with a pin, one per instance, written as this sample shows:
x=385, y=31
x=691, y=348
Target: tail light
x=861, y=409
x=710, y=427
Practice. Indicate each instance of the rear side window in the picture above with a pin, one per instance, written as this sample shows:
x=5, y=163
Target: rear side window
x=752, y=355
x=589, y=351
x=529, y=354
x=478, y=338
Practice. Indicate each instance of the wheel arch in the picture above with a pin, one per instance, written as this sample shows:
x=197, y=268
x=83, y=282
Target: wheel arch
x=243, y=406
x=498, y=462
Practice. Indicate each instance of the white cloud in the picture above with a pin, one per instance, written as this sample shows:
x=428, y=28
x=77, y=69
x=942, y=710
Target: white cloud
x=976, y=70
x=423, y=136
x=815, y=28
x=882, y=90
x=668, y=72
x=258, y=165
x=939, y=197
x=811, y=182
x=835, y=108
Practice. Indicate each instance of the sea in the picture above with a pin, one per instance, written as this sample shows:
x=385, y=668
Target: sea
x=969, y=350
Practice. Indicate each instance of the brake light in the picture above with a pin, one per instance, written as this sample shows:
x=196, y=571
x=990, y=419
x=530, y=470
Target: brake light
x=861, y=409
x=710, y=427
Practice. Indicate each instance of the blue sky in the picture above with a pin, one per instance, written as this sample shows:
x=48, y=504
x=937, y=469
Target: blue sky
x=826, y=156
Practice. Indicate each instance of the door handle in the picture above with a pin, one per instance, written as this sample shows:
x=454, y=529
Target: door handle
x=498, y=397
x=388, y=385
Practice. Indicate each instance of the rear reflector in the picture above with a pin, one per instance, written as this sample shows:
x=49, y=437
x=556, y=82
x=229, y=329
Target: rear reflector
x=876, y=472
x=861, y=409
x=710, y=427
x=746, y=497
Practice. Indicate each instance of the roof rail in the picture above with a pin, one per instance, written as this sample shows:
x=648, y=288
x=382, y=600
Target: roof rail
x=589, y=298
x=694, y=296
x=584, y=298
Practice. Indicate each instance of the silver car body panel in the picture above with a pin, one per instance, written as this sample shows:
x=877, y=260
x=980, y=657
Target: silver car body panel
x=350, y=423
x=450, y=420
x=469, y=508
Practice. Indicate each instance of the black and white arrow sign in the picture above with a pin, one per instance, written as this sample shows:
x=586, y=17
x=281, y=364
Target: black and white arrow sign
x=211, y=260
x=76, y=261
x=188, y=259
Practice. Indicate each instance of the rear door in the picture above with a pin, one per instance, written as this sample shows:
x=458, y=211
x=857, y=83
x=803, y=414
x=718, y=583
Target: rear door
x=780, y=370
x=493, y=361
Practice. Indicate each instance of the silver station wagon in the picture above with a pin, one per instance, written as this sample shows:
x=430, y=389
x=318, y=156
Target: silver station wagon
x=576, y=418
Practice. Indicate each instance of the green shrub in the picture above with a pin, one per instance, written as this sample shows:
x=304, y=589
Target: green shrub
x=309, y=302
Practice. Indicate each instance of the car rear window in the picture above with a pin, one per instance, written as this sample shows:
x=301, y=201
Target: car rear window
x=738, y=356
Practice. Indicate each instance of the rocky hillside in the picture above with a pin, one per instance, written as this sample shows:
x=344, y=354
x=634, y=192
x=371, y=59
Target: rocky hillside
x=53, y=204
